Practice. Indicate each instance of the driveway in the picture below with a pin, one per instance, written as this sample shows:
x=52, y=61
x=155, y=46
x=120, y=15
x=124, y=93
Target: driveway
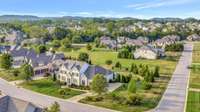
x=46, y=101
x=174, y=98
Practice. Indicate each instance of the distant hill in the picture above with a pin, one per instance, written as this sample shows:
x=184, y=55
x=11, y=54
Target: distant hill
x=8, y=18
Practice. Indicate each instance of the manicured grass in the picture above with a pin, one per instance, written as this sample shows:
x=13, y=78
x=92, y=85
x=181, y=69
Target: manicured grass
x=193, y=103
x=195, y=72
x=9, y=75
x=48, y=87
x=98, y=57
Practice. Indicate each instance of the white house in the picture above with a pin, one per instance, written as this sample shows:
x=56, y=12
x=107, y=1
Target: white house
x=81, y=73
x=148, y=52
x=193, y=37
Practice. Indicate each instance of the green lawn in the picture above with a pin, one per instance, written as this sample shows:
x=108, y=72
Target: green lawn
x=9, y=75
x=48, y=87
x=195, y=72
x=193, y=103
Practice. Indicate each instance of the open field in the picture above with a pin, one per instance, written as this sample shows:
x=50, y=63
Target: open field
x=195, y=72
x=193, y=103
x=48, y=87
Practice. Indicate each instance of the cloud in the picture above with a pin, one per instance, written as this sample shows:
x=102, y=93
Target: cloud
x=158, y=3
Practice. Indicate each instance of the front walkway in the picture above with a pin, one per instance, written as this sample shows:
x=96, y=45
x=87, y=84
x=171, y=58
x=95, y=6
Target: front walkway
x=174, y=98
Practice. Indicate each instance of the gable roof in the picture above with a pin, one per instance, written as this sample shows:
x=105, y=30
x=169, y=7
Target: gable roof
x=18, y=105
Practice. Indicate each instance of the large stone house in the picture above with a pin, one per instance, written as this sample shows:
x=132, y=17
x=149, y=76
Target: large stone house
x=81, y=73
x=148, y=52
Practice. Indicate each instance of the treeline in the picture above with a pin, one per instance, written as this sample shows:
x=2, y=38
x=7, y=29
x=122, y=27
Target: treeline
x=175, y=47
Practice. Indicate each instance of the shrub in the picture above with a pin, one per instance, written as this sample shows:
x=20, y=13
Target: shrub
x=146, y=85
x=133, y=99
x=108, y=62
x=62, y=92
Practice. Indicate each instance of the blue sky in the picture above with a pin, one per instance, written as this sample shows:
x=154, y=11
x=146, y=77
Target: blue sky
x=103, y=8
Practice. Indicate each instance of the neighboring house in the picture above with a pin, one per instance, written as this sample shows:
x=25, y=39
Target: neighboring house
x=15, y=37
x=134, y=42
x=167, y=40
x=148, y=52
x=193, y=37
x=40, y=62
x=11, y=104
x=81, y=73
x=4, y=49
x=108, y=42
x=144, y=40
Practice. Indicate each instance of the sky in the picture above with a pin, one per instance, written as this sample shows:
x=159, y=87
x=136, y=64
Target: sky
x=143, y=9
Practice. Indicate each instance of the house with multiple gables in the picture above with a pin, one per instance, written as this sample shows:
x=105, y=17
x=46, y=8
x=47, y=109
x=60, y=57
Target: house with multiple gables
x=148, y=52
x=81, y=73
x=167, y=40
x=193, y=37
x=14, y=37
x=108, y=42
x=41, y=63
x=123, y=41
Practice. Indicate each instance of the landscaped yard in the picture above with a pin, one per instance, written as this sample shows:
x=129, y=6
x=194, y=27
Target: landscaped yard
x=51, y=88
x=9, y=75
x=193, y=103
x=150, y=98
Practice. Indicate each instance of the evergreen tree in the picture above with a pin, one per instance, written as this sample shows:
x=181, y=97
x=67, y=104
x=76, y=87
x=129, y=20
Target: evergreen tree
x=5, y=61
x=132, y=86
x=156, y=71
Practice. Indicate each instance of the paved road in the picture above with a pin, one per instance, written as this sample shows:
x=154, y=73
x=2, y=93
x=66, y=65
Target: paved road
x=46, y=101
x=174, y=97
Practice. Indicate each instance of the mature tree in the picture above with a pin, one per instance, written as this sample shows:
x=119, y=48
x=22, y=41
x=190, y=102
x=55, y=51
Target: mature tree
x=108, y=62
x=99, y=84
x=134, y=68
x=27, y=72
x=60, y=33
x=56, y=43
x=156, y=71
x=41, y=49
x=5, y=61
x=77, y=39
x=97, y=42
x=35, y=31
x=88, y=47
x=149, y=76
x=132, y=87
x=83, y=57
x=66, y=43
x=110, y=27
x=118, y=65
x=53, y=108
